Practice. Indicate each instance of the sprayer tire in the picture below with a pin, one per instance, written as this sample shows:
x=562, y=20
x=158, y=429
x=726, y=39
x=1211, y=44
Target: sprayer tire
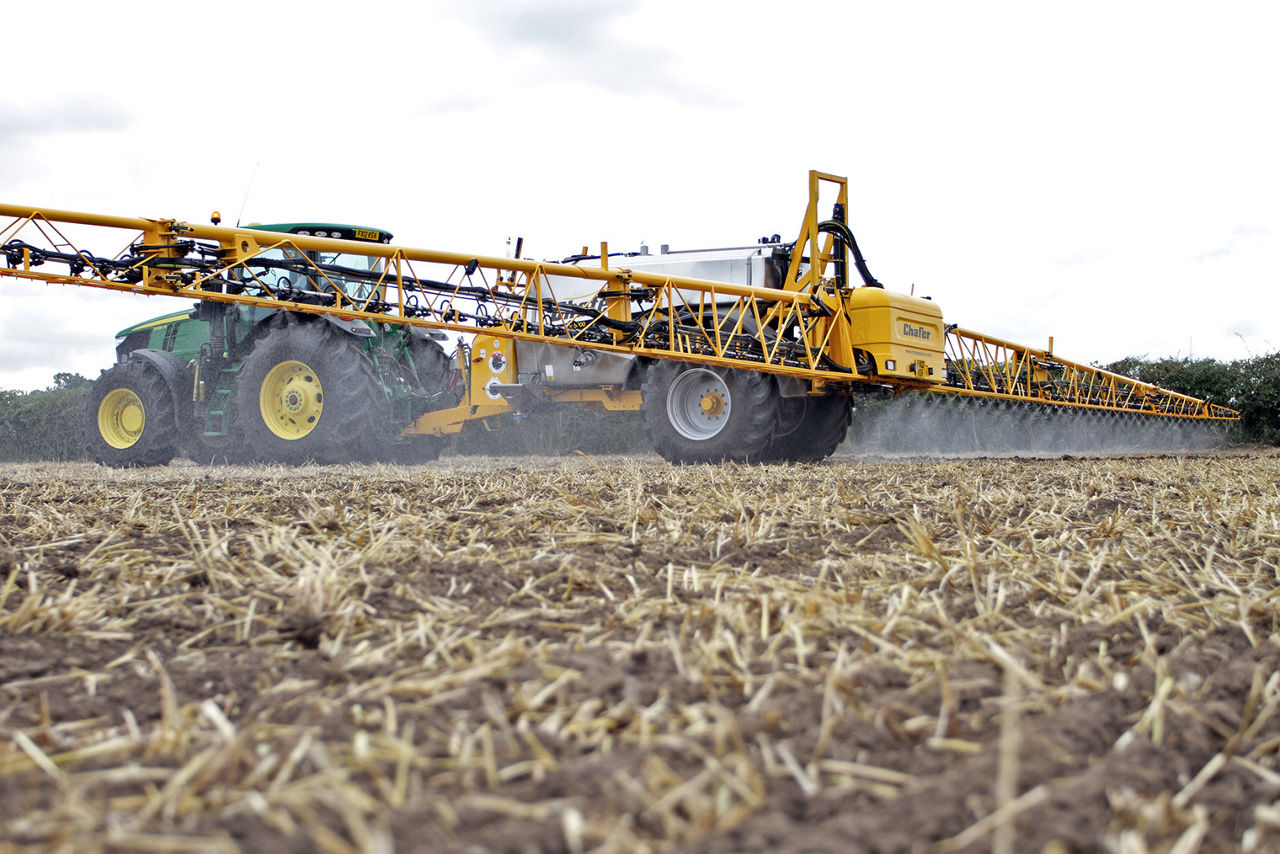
x=815, y=433
x=307, y=393
x=697, y=414
x=129, y=418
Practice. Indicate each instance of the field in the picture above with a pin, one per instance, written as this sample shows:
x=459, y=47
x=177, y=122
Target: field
x=614, y=654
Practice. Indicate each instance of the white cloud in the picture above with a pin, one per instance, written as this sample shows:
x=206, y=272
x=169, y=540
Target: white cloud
x=53, y=328
x=1240, y=235
x=63, y=113
x=598, y=44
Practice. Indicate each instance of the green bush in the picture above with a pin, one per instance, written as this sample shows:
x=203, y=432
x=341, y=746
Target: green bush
x=43, y=425
x=1203, y=378
x=1255, y=391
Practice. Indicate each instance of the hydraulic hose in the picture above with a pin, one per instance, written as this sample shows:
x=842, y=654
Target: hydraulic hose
x=844, y=235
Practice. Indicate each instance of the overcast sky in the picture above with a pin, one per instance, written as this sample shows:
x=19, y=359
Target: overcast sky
x=1106, y=172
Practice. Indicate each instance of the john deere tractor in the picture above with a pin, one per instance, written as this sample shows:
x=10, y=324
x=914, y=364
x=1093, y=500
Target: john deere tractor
x=227, y=382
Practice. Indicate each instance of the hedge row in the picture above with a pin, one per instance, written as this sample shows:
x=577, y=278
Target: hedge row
x=43, y=425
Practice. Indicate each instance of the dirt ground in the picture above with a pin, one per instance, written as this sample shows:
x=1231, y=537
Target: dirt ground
x=614, y=654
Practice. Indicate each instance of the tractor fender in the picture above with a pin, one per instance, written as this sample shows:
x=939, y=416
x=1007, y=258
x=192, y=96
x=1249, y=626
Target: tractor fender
x=358, y=328
x=418, y=333
x=282, y=319
x=177, y=376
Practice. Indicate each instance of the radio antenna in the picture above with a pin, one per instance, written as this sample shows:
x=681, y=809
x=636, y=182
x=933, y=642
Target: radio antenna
x=247, y=190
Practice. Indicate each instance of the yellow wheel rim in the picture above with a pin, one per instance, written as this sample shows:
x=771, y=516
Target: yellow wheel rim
x=291, y=400
x=121, y=418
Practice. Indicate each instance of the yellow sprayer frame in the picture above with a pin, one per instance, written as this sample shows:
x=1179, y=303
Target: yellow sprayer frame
x=801, y=330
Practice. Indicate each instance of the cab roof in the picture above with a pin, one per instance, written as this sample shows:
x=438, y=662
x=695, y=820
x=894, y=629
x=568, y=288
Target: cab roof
x=328, y=229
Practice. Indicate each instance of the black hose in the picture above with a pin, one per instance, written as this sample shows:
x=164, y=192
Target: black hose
x=843, y=234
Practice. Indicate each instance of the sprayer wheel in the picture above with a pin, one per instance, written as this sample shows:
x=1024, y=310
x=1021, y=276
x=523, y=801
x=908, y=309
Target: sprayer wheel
x=814, y=432
x=428, y=370
x=697, y=414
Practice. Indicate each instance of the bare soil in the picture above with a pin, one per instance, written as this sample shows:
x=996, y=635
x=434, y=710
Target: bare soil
x=614, y=654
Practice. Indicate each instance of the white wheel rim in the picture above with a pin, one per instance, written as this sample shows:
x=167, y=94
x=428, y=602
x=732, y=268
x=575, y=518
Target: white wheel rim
x=698, y=404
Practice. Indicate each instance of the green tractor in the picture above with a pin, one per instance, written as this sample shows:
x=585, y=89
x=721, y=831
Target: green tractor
x=231, y=383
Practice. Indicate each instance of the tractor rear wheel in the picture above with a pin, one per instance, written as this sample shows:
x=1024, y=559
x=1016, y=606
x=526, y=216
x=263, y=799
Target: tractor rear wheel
x=214, y=450
x=814, y=432
x=698, y=414
x=129, y=417
x=307, y=393
x=430, y=363
x=430, y=373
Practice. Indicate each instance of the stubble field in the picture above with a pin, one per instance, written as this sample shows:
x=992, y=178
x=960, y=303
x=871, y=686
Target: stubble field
x=615, y=654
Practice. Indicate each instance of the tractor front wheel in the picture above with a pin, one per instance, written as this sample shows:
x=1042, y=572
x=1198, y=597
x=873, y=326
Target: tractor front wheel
x=307, y=393
x=697, y=414
x=129, y=418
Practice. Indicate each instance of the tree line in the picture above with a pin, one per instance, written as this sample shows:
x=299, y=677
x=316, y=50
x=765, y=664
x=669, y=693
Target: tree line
x=46, y=424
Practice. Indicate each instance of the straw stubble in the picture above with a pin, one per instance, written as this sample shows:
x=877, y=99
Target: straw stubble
x=614, y=654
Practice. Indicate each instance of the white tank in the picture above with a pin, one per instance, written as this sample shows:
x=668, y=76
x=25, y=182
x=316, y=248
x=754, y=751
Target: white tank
x=756, y=266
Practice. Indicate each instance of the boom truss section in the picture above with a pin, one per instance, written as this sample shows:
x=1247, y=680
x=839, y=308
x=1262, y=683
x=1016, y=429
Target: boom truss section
x=982, y=366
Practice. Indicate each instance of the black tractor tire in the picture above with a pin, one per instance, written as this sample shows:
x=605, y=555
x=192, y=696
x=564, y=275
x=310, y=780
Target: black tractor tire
x=307, y=393
x=130, y=418
x=699, y=414
x=431, y=373
x=430, y=363
x=813, y=433
x=215, y=450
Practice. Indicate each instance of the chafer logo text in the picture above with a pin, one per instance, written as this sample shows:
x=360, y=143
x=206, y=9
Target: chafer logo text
x=920, y=332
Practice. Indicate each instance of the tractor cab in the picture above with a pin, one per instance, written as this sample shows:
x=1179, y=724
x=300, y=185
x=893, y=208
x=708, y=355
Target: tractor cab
x=313, y=272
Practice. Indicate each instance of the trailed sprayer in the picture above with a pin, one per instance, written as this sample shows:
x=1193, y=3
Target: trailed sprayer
x=323, y=342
